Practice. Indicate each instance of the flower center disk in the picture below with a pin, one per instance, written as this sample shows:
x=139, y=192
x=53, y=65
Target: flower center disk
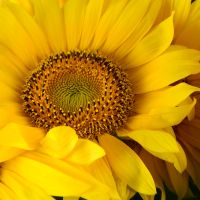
x=80, y=89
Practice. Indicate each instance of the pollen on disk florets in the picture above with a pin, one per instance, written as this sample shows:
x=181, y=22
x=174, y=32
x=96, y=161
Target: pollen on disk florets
x=80, y=89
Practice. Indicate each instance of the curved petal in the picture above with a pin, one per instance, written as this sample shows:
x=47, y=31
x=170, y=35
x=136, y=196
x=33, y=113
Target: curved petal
x=178, y=159
x=191, y=29
x=102, y=171
x=18, y=41
x=139, y=32
x=48, y=15
x=16, y=117
x=107, y=20
x=20, y=136
x=33, y=30
x=169, y=96
x=74, y=13
x=22, y=188
x=59, y=141
x=55, y=176
x=91, y=20
x=127, y=165
x=7, y=153
x=131, y=15
x=6, y=193
x=153, y=44
x=85, y=152
x=153, y=140
x=171, y=66
x=161, y=117
x=179, y=181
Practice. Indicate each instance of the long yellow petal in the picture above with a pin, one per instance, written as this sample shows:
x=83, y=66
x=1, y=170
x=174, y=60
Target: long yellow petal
x=48, y=15
x=186, y=39
x=12, y=68
x=173, y=65
x=179, y=181
x=6, y=109
x=59, y=141
x=178, y=159
x=107, y=20
x=20, y=136
x=6, y=193
x=7, y=153
x=55, y=176
x=140, y=31
x=102, y=171
x=85, y=152
x=22, y=188
x=169, y=96
x=92, y=17
x=192, y=27
x=18, y=41
x=74, y=13
x=127, y=165
x=34, y=31
x=125, y=25
x=161, y=117
x=181, y=8
x=155, y=42
x=153, y=140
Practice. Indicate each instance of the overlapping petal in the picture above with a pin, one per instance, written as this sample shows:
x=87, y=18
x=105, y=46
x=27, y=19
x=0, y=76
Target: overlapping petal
x=127, y=165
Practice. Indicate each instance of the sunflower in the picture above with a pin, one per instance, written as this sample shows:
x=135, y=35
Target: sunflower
x=187, y=133
x=108, y=70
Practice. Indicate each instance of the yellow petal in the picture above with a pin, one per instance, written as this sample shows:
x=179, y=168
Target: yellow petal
x=182, y=9
x=193, y=42
x=178, y=159
x=34, y=31
x=7, y=93
x=85, y=152
x=92, y=17
x=161, y=117
x=102, y=171
x=179, y=181
x=20, y=136
x=22, y=188
x=124, y=190
x=106, y=21
x=152, y=140
x=59, y=141
x=12, y=68
x=6, y=193
x=131, y=15
x=157, y=41
x=18, y=41
x=55, y=176
x=140, y=31
x=7, y=153
x=74, y=12
x=16, y=117
x=169, y=96
x=165, y=69
x=127, y=165
x=48, y=15
x=192, y=27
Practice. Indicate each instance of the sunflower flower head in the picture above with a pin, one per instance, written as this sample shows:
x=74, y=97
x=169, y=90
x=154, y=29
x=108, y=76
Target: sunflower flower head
x=68, y=88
